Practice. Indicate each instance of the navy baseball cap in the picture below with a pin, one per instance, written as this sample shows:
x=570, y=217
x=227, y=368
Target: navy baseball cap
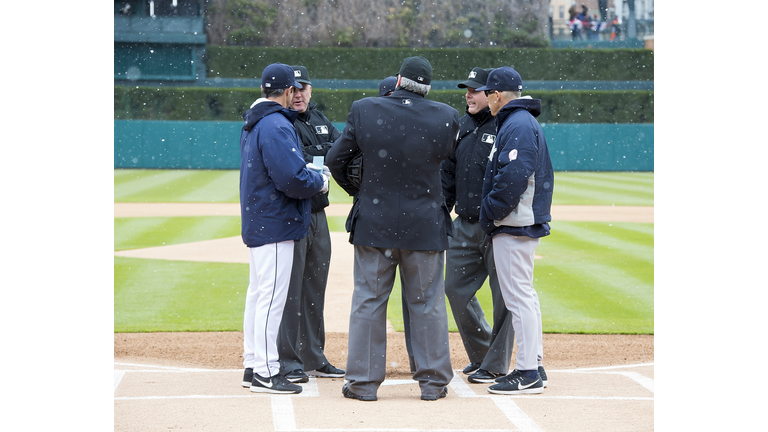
x=503, y=79
x=477, y=78
x=301, y=74
x=387, y=85
x=278, y=76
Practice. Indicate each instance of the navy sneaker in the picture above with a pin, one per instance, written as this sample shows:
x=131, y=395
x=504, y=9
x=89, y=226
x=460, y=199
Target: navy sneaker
x=327, y=371
x=542, y=374
x=483, y=376
x=247, y=377
x=275, y=384
x=518, y=384
x=297, y=376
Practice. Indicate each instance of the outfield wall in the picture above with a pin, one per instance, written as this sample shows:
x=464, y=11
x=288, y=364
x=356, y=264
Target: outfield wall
x=216, y=145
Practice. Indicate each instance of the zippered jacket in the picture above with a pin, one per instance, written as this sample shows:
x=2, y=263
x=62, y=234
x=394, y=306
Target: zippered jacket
x=317, y=135
x=463, y=171
x=275, y=185
x=519, y=180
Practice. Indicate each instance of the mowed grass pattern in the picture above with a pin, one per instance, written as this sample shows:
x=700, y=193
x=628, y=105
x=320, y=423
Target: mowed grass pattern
x=593, y=278
x=222, y=186
x=143, y=232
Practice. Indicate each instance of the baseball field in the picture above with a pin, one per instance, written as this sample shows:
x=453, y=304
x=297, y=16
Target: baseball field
x=180, y=275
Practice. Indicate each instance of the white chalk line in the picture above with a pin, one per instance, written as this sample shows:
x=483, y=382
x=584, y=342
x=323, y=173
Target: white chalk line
x=284, y=416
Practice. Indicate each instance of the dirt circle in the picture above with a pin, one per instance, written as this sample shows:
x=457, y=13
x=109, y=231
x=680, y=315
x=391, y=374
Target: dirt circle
x=223, y=350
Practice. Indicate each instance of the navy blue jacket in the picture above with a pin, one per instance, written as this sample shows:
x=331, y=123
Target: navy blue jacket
x=275, y=185
x=519, y=180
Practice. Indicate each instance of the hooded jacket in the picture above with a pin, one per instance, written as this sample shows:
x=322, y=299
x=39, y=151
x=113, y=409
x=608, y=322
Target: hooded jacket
x=519, y=180
x=463, y=171
x=317, y=135
x=275, y=185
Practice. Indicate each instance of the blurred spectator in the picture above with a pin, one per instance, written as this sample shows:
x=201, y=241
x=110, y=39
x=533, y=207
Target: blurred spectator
x=575, y=25
x=615, y=29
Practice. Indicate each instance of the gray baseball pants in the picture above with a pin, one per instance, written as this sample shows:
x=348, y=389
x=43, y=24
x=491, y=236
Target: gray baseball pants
x=514, y=265
x=422, y=278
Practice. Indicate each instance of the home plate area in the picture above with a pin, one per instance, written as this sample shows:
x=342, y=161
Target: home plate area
x=162, y=398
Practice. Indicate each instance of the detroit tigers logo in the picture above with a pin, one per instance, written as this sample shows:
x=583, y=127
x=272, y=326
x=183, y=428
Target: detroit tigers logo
x=321, y=130
x=488, y=138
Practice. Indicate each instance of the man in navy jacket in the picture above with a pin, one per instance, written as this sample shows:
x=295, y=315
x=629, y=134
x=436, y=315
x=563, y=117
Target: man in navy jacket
x=517, y=196
x=275, y=190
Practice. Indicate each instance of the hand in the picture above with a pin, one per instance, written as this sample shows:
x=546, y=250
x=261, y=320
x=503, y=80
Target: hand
x=325, y=183
x=315, y=168
x=326, y=171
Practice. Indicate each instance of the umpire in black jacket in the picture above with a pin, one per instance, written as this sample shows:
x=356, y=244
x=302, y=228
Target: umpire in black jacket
x=469, y=259
x=301, y=339
x=399, y=219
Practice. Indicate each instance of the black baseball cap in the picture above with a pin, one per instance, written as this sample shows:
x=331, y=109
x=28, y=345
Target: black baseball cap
x=503, y=79
x=416, y=69
x=387, y=85
x=477, y=78
x=301, y=74
x=278, y=76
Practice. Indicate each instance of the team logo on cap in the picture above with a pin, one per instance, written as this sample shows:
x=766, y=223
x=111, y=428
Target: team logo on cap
x=297, y=73
x=421, y=78
x=472, y=74
x=406, y=101
x=321, y=130
x=267, y=84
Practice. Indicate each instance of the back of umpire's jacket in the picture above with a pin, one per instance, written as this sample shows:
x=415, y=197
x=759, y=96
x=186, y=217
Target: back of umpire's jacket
x=403, y=138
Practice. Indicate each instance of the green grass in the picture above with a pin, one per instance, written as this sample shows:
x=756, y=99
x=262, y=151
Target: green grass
x=594, y=277
x=163, y=296
x=584, y=188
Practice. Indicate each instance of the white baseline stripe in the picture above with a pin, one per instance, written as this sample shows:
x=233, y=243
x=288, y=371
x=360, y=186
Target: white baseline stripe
x=118, y=377
x=460, y=387
x=603, y=368
x=516, y=415
x=283, y=416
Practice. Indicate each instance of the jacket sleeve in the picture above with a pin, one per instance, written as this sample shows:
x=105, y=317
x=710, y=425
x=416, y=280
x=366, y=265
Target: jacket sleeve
x=448, y=178
x=285, y=164
x=515, y=162
x=342, y=151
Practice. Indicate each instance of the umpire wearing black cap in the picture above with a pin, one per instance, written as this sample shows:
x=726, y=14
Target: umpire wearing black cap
x=301, y=339
x=469, y=259
x=400, y=220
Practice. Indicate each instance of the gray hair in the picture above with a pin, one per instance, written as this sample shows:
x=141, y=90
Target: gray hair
x=411, y=85
x=267, y=93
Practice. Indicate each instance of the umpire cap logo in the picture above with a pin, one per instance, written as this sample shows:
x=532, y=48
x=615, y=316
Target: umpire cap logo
x=488, y=138
x=321, y=130
x=472, y=74
x=406, y=101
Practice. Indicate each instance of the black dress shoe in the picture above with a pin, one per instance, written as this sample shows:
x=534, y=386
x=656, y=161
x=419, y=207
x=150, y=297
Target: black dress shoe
x=348, y=394
x=483, y=376
x=472, y=367
x=436, y=397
